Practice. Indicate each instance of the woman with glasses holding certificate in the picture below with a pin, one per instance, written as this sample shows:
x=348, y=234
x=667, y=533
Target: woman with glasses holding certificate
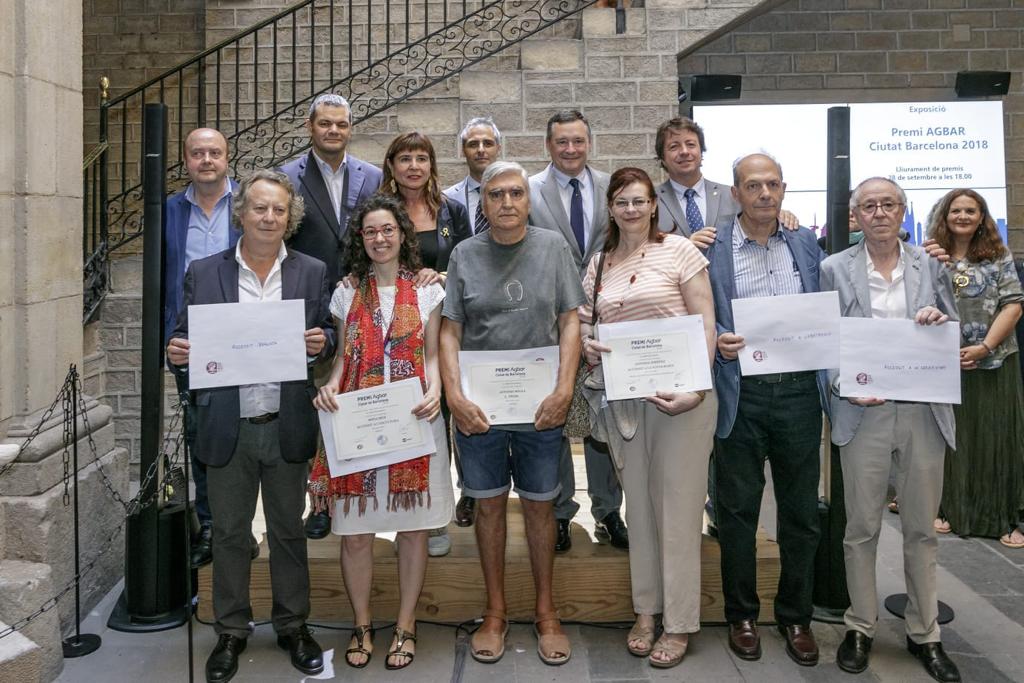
x=389, y=330
x=660, y=445
x=984, y=477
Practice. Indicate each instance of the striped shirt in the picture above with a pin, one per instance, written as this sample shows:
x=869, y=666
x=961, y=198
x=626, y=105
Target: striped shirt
x=768, y=270
x=646, y=285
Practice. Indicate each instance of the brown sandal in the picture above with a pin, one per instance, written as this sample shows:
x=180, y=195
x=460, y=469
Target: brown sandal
x=487, y=648
x=360, y=633
x=552, y=648
x=675, y=649
x=641, y=633
x=401, y=638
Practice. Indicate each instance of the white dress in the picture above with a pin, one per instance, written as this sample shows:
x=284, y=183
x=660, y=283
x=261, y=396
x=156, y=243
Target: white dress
x=377, y=518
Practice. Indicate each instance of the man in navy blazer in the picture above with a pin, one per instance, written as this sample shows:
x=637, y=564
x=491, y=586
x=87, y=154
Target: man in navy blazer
x=331, y=182
x=259, y=437
x=197, y=223
x=765, y=417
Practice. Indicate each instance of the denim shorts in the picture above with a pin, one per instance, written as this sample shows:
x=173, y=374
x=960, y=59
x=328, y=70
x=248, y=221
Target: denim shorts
x=493, y=460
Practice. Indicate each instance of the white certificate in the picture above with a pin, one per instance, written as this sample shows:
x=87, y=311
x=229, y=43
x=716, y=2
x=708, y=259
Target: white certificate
x=509, y=385
x=788, y=333
x=375, y=427
x=251, y=343
x=648, y=356
x=899, y=360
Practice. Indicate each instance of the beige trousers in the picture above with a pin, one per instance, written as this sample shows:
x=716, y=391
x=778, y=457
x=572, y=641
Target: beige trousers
x=664, y=480
x=903, y=436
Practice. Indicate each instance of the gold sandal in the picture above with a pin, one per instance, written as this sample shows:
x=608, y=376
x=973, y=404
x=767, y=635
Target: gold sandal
x=401, y=637
x=360, y=633
x=675, y=649
x=641, y=633
x=487, y=648
x=552, y=648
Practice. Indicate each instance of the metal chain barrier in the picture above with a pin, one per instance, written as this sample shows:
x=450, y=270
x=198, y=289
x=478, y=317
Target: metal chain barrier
x=130, y=507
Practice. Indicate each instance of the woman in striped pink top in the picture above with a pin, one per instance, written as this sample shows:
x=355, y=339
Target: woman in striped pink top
x=660, y=445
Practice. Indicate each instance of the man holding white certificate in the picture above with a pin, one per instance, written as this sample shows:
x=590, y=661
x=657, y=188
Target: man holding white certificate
x=257, y=437
x=774, y=417
x=512, y=289
x=882, y=277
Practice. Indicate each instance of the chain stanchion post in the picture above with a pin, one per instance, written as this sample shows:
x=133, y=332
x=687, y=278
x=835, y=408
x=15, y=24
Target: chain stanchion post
x=80, y=644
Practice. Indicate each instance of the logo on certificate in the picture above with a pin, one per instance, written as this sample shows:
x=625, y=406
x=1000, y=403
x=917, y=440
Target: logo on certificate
x=213, y=367
x=863, y=378
x=382, y=439
x=759, y=355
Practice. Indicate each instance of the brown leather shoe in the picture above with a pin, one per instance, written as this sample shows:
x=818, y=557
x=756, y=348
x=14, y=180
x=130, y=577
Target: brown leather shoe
x=800, y=644
x=744, y=640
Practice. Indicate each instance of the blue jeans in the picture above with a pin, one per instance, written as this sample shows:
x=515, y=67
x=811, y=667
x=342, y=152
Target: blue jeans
x=492, y=460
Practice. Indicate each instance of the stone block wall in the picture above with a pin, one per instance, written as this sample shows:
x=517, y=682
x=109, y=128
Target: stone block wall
x=878, y=50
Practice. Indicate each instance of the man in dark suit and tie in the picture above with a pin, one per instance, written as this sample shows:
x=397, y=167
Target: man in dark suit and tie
x=259, y=436
x=332, y=183
x=569, y=197
x=197, y=223
x=480, y=141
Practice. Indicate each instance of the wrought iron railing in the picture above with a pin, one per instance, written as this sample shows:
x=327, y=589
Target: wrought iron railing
x=256, y=86
x=95, y=242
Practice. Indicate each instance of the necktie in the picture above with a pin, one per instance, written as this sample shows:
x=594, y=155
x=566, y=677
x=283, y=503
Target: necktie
x=693, y=218
x=576, y=213
x=480, y=220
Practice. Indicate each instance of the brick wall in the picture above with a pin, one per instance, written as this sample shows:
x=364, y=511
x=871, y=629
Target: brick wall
x=879, y=50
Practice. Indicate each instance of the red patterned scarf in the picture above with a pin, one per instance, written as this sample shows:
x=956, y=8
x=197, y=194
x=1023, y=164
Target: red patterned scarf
x=365, y=343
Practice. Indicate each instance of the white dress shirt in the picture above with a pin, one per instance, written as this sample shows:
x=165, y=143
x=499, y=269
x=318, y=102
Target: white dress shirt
x=335, y=181
x=888, y=299
x=586, y=190
x=700, y=196
x=257, y=399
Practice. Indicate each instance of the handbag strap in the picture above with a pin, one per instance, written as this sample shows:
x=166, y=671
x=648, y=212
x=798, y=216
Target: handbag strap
x=597, y=287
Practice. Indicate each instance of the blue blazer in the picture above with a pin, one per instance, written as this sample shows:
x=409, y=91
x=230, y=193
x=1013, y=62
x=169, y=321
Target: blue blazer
x=320, y=234
x=808, y=256
x=176, y=213
x=214, y=280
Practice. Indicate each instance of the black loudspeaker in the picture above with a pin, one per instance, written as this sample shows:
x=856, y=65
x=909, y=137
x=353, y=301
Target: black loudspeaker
x=709, y=87
x=982, y=83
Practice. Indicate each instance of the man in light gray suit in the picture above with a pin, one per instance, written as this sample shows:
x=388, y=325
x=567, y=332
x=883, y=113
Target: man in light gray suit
x=883, y=277
x=569, y=197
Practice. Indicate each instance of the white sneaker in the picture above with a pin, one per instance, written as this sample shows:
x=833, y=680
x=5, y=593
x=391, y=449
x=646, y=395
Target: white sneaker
x=438, y=542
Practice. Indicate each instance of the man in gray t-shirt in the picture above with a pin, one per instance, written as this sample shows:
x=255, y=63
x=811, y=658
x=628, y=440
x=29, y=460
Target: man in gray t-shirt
x=512, y=287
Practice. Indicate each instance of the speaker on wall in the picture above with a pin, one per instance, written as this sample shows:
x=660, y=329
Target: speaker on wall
x=982, y=83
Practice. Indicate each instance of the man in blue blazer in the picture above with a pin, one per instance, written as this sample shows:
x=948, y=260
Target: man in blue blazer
x=765, y=417
x=331, y=182
x=259, y=437
x=197, y=223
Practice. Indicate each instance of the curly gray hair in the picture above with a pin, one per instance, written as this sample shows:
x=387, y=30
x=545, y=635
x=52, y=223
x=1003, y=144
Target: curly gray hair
x=296, y=206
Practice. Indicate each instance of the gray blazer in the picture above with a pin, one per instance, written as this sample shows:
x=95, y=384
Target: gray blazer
x=927, y=284
x=547, y=211
x=672, y=216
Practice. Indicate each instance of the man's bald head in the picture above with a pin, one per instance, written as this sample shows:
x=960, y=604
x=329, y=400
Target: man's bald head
x=206, y=158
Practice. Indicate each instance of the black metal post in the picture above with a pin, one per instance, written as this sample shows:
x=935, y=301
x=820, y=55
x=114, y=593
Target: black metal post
x=838, y=236
x=80, y=644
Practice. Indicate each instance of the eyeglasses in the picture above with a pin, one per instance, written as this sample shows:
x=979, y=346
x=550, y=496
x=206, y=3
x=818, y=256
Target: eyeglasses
x=515, y=193
x=636, y=203
x=370, y=234
x=869, y=208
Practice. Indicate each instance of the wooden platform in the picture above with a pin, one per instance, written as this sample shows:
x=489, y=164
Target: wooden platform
x=591, y=580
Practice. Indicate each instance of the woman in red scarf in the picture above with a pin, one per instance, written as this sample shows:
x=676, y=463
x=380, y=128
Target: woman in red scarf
x=388, y=331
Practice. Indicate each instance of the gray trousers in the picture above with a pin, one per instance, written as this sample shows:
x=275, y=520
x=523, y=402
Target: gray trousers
x=903, y=436
x=233, y=490
x=602, y=484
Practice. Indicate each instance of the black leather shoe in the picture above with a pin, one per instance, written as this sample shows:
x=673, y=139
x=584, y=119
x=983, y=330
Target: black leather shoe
x=202, y=547
x=852, y=655
x=223, y=662
x=612, y=528
x=306, y=654
x=318, y=525
x=935, y=660
x=563, y=541
x=254, y=547
x=800, y=644
x=464, y=511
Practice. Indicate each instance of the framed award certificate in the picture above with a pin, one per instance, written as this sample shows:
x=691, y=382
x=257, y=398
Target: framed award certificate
x=509, y=385
x=648, y=356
